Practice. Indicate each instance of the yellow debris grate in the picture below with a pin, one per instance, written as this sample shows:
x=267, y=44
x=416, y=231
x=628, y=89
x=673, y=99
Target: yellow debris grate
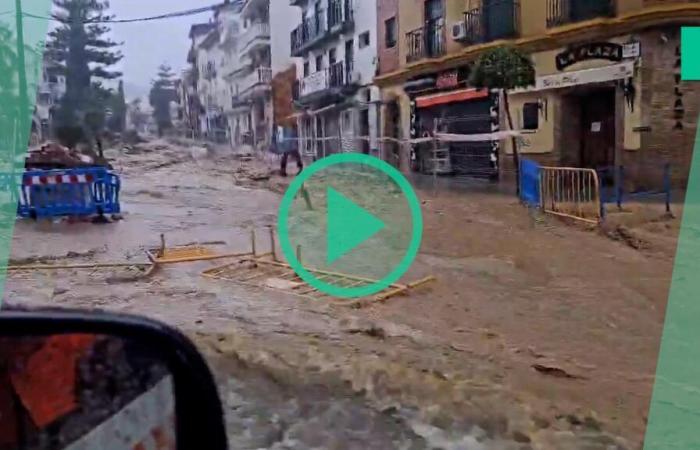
x=267, y=274
x=172, y=254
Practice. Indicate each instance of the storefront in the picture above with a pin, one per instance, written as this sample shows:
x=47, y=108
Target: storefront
x=444, y=103
x=615, y=102
x=582, y=101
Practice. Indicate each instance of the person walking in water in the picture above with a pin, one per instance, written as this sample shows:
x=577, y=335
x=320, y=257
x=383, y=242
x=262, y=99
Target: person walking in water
x=287, y=143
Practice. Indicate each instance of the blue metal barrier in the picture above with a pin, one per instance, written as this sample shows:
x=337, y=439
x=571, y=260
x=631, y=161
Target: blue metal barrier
x=71, y=192
x=612, y=190
x=530, y=182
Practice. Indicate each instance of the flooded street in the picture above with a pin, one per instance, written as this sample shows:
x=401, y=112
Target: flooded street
x=537, y=334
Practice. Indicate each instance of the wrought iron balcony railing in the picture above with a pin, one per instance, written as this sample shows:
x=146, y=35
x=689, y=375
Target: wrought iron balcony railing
x=340, y=14
x=561, y=12
x=311, y=29
x=426, y=42
x=495, y=19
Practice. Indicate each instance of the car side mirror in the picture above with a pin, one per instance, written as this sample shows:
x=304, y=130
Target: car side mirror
x=74, y=380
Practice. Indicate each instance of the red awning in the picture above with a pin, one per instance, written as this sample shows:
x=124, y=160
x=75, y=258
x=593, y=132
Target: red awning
x=451, y=97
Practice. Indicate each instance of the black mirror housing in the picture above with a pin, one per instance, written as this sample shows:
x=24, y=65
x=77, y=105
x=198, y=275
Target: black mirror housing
x=198, y=411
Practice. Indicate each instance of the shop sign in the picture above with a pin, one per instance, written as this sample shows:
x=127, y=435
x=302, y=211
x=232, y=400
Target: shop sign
x=631, y=50
x=448, y=79
x=597, y=50
x=598, y=75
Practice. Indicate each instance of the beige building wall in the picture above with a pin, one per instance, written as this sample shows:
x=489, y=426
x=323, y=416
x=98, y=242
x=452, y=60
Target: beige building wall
x=642, y=133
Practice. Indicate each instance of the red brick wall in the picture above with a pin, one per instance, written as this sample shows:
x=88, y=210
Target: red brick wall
x=388, y=57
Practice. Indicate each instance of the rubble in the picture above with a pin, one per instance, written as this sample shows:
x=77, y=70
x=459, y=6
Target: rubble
x=55, y=156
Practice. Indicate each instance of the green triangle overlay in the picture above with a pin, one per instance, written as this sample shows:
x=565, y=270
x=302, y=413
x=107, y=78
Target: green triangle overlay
x=22, y=41
x=674, y=415
x=349, y=225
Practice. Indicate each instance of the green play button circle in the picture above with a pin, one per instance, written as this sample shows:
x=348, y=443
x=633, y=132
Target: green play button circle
x=350, y=225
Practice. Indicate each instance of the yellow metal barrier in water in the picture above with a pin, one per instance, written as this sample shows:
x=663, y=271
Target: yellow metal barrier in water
x=571, y=192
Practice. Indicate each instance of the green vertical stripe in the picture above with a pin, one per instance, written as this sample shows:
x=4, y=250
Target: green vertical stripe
x=18, y=87
x=690, y=56
x=674, y=417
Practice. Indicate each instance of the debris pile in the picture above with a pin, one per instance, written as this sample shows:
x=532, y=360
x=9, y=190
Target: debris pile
x=55, y=156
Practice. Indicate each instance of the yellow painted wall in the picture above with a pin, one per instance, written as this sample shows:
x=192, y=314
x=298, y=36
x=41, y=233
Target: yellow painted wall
x=542, y=140
x=533, y=18
x=410, y=18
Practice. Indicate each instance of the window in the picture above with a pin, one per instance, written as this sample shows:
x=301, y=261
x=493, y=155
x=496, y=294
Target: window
x=390, y=33
x=531, y=116
x=306, y=69
x=332, y=55
x=364, y=39
x=319, y=63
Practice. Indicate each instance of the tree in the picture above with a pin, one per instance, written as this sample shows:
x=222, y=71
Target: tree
x=505, y=68
x=15, y=111
x=117, y=104
x=79, y=46
x=162, y=93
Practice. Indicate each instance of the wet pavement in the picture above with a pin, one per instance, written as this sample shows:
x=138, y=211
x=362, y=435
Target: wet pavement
x=454, y=366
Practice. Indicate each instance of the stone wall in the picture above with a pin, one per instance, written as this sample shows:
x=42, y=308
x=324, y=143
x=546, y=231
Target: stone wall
x=672, y=135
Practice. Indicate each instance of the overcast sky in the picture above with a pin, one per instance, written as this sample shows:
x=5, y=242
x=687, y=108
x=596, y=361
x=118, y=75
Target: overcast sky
x=148, y=44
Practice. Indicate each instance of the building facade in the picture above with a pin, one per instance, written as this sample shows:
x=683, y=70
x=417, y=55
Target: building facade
x=197, y=80
x=607, y=92
x=50, y=89
x=249, y=75
x=336, y=47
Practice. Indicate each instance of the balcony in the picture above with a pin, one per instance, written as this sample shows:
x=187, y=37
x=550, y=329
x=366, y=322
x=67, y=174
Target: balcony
x=256, y=83
x=256, y=36
x=210, y=71
x=330, y=82
x=308, y=34
x=426, y=42
x=339, y=18
x=561, y=12
x=499, y=19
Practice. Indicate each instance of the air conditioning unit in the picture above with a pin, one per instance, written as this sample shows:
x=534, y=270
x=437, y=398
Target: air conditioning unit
x=459, y=31
x=355, y=77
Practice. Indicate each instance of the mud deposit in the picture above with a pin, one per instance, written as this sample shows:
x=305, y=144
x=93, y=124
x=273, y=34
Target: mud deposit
x=538, y=334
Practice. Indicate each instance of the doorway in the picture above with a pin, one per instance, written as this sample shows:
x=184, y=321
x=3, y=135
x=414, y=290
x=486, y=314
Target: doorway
x=598, y=129
x=349, y=59
x=364, y=131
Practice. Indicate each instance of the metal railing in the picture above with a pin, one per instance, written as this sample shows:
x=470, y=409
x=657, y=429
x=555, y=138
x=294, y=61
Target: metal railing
x=261, y=75
x=426, y=42
x=258, y=30
x=571, y=192
x=310, y=30
x=560, y=12
x=640, y=184
x=340, y=13
x=335, y=76
x=499, y=19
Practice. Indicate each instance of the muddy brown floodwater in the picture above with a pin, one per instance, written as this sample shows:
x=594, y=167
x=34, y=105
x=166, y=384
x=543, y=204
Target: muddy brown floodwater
x=538, y=334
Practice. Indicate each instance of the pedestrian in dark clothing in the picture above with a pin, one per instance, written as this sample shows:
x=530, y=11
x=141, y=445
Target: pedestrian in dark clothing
x=289, y=146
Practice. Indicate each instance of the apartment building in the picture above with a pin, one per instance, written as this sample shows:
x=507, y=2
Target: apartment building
x=249, y=75
x=607, y=92
x=50, y=89
x=336, y=47
x=200, y=76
